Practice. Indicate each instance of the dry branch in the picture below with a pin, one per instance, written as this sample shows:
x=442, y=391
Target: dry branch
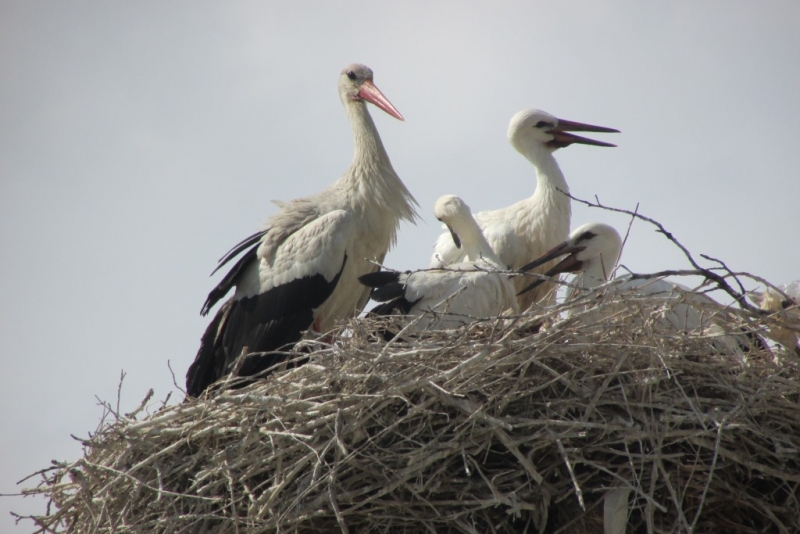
x=541, y=422
x=503, y=426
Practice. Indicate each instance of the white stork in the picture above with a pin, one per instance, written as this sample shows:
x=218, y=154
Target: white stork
x=592, y=251
x=301, y=272
x=460, y=293
x=528, y=228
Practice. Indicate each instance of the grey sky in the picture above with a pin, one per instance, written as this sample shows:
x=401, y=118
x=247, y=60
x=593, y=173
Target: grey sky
x=140, y=140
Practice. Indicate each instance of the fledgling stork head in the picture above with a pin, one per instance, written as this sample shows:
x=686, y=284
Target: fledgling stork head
x=592, y=249
x=534, y=127
x=453, y=212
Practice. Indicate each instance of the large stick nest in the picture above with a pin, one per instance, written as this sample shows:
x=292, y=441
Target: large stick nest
x=512, y=425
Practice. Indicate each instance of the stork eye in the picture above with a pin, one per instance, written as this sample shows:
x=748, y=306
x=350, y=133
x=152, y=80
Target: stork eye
x=351, y=74
x=543, y=124
x=586, y=236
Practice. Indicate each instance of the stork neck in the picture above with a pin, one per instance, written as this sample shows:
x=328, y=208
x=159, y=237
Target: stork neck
x=548, y=207
x=548, y=174
x=597, y=272
x=474, y=242
x=371, y=181
x=369, y=150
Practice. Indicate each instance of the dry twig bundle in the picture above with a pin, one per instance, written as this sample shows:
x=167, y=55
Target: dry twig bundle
x=499, y=427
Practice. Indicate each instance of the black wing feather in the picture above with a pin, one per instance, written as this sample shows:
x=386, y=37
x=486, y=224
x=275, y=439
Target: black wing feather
x=386, y=285
x=271, y=321
x=238, y=248
x=390, y=290
x=205, y=370
x=230, y=279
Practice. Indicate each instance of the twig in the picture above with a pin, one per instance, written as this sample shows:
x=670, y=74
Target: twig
x=738, y=296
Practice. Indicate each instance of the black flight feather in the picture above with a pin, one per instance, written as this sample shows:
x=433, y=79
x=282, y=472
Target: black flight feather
x=264, y=323
x=230, y=279
x=239, y=247
x=389, y=290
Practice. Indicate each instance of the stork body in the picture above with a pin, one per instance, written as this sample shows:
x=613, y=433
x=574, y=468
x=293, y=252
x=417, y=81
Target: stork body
x=301, y=272
x=531, y=226
x=458, y=294
x=592, y=251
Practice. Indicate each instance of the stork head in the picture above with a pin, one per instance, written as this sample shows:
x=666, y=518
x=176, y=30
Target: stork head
x=534, y=127
x=356, y=85
x=450, y=209
x=592, y=249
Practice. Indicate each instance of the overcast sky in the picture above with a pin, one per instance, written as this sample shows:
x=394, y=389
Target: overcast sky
x=140, y=140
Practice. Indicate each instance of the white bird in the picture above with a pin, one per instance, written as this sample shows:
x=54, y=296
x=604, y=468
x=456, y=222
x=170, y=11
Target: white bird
x=478, y=287
x=592, y=251
x=301, y=272
x=531, y=226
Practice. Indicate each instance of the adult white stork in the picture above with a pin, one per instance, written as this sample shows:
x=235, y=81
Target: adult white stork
x=301, y=272
x=476, y=288
x=531, y=226
x=592, y=251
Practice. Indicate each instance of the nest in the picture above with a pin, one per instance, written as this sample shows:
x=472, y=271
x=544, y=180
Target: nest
x=534, y=423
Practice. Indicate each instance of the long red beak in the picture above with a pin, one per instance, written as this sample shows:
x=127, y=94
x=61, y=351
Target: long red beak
x=370, y=93
x=562, y=138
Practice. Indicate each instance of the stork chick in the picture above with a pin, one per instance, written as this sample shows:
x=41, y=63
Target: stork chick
x=531, y=226
x=448, y=297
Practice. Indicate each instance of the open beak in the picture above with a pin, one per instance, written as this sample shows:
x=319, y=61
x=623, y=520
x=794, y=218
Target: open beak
x=370, y=93
x=562, y=137
x=570, y=264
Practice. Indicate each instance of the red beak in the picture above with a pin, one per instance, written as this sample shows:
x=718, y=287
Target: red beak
x=372, y=94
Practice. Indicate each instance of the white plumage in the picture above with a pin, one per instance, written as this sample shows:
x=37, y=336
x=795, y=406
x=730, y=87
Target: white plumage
x=528, y=228
x=592, y=252
x=476, y=288
x=301, y=271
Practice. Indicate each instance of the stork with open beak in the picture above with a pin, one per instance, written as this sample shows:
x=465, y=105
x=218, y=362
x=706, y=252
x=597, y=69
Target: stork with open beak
x=531, y=226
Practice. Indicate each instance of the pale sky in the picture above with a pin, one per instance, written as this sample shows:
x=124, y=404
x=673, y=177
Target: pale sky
x=140, y=140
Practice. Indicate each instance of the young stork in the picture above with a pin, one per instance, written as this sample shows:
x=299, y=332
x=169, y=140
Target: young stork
x=301, y=272
x=785, y=309
x=532, y=226
x=592, y=251
x=459, y=293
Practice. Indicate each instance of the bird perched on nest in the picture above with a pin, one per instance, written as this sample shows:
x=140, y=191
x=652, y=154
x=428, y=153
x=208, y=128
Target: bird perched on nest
x=592, y=251
x=784, y=307
x=531, y=226
x=301, y=272
x=448, y=297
